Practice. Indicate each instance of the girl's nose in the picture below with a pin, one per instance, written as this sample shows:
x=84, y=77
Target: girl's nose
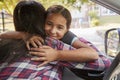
x=53, y=30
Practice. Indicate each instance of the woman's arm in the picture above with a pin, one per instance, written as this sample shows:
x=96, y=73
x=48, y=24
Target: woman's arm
x=28, y=38
x=13, y=35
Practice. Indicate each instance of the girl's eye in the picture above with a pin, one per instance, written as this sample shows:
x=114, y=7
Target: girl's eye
x=49, y=23
x=60, y=27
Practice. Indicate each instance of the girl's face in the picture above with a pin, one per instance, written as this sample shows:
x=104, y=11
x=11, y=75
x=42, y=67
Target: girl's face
x=55, y=26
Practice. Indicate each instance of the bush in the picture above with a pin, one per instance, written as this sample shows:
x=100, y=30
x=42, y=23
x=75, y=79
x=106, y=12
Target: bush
x=94, y=22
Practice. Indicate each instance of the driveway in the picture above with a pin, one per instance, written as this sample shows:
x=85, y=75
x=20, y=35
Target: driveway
x=94, y=35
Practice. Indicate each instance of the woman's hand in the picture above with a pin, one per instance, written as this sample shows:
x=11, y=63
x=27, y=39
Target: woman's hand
x=45, y=54
x=34, y=41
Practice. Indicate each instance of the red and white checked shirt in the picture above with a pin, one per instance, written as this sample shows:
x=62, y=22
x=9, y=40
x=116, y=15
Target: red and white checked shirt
x=26, y=69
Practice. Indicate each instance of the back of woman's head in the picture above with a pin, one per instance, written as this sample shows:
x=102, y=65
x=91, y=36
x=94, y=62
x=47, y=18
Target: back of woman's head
x=58, y=9
x=29, y=16
x=12, y=50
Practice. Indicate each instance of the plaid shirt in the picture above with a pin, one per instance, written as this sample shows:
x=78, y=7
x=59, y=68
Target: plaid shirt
x=26, y=69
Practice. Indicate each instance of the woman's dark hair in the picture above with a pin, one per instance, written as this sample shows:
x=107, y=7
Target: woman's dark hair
x=58, y=9
x=12, y=49
x=29, y=16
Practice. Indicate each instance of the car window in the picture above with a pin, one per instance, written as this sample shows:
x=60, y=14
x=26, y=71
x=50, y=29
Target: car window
x=102, y=15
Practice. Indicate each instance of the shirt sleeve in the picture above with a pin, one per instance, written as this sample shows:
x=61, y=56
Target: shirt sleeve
x=102, y=63
x=69, y=38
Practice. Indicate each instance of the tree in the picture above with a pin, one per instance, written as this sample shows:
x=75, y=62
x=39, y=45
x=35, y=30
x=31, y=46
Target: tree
x=9, y=5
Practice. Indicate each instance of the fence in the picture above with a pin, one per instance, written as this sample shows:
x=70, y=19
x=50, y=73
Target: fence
x=6, y=21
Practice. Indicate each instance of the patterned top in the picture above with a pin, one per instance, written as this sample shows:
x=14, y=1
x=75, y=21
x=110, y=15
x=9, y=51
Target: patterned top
x=26, y=69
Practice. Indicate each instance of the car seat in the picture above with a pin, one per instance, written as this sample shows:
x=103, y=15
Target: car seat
x=113, y=73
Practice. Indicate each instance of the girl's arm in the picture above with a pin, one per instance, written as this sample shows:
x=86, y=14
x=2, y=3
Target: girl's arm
x=71, y=39
x=83, y=52
x=65, y=55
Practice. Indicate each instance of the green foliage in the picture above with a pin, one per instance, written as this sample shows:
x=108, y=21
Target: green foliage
x=84, y=1
x=94, y=22
x=1, y=0
x=93, y=14
x=74, y=3
x=109, y=19
x=9, y=5
x=94, y=19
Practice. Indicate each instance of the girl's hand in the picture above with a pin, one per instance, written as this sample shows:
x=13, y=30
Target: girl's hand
x=34, y=41
x=45, y=54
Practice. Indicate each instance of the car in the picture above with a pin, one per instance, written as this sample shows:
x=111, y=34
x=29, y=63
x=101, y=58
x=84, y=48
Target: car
x=112, y=45
x=112, y=48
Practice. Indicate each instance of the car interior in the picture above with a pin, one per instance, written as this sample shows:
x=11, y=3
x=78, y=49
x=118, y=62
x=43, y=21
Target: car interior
x=113, y=73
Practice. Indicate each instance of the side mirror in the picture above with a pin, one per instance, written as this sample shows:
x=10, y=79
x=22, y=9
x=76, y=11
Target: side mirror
x=112, y=41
